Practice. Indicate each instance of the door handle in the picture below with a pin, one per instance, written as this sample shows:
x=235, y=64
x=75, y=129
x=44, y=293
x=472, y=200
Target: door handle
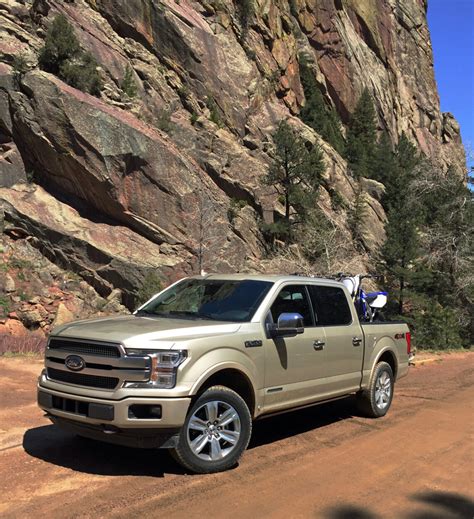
x=318, y=345
x=356, y=341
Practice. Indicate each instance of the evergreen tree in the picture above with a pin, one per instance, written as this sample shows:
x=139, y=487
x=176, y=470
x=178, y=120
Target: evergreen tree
x=357, y=215
x=401, y=247
x=448, y=243
x=60, y=45
x=435, y=326
x=62, y=55
x=296, y=174
x=316, y=113
x=385, y=163
x=362, y=138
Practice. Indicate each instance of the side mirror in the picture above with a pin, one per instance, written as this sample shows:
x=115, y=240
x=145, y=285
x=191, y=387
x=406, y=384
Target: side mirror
x=289, y=325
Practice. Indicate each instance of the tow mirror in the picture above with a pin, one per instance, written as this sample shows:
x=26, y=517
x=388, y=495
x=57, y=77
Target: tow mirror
x=289, y=325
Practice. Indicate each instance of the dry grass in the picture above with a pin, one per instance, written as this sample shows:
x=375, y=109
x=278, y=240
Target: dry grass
x=11, y=345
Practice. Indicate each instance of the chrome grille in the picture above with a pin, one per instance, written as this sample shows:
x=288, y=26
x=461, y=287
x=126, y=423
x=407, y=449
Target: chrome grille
x=86, y=348
x=106, y=365
x=81, y=379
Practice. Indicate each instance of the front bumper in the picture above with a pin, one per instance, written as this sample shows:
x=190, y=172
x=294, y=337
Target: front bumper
x=113, y=414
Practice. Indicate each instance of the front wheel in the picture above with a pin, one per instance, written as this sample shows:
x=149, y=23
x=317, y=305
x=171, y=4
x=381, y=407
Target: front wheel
x=216, y=432
x=375, y=401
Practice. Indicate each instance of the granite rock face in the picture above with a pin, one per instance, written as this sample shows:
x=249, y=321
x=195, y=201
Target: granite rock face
x=119, y=185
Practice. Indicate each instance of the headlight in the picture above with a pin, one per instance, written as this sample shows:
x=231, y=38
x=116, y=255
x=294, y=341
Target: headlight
x=164, y=366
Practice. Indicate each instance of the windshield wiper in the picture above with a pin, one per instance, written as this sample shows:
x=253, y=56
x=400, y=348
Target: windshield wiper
x=144, y=312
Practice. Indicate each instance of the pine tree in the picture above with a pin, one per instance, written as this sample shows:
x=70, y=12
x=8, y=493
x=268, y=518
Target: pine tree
x=448, y=243
x=362, y=137
x=401, y=247
x=296, y=173
x=316, y=113
x=385, y=163
x=60, y=45
x=62, y=55
x=357, y=215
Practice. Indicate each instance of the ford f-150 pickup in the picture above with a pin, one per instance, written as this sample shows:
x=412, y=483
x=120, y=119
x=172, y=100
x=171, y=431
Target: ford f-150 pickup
x=193, y=367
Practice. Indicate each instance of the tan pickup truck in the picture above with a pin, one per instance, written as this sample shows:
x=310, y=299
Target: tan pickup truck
x=193, y=367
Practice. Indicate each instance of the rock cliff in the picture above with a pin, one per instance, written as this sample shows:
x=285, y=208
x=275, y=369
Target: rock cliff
x=114, y=187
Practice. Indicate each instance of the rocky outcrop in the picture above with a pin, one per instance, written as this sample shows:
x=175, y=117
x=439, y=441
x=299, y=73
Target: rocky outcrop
x=36, y=294
x=120, y=186
x=105, y=255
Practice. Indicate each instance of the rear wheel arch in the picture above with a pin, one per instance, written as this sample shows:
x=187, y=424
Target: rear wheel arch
x=390, y=358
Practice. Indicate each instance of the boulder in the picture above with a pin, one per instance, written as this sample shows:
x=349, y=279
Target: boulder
x=7, y=284
x=13, y=327
x=63, y=315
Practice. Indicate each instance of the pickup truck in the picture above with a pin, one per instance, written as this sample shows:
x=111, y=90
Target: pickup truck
x=193, y=367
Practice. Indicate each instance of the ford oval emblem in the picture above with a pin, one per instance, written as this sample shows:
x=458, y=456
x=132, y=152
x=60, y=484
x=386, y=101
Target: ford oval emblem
x=75, y=363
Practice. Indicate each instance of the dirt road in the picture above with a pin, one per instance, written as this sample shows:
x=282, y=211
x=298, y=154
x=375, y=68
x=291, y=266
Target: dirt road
x=416, y=463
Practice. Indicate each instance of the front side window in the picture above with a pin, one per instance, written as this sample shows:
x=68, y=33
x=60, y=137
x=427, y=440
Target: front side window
x=330, y=305
x=292, y=299
x=214, y=299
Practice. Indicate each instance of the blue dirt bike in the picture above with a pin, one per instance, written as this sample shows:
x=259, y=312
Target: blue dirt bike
x=368, y=304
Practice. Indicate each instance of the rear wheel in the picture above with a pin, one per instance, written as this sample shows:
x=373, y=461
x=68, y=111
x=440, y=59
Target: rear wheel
x=216, y=432
x=375, y=401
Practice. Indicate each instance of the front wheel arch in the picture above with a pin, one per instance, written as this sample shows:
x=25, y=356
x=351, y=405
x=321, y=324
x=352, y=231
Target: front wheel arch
x=233, y=379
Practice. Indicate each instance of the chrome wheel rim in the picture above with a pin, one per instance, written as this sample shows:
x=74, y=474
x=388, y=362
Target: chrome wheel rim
x=213, y=430
x=383, y=390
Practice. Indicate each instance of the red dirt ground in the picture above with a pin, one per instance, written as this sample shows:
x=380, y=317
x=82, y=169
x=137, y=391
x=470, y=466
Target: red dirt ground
x=322, y=462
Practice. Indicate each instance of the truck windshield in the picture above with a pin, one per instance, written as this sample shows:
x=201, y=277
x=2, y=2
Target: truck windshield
x=214, y=299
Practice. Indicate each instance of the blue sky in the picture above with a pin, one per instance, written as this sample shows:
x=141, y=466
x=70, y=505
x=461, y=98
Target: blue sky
x=451, y=24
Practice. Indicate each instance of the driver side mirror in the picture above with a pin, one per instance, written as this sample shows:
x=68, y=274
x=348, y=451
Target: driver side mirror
x=289, y=325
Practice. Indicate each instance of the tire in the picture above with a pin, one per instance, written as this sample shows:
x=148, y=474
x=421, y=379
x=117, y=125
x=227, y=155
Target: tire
x=375, y=401
x=215, y=433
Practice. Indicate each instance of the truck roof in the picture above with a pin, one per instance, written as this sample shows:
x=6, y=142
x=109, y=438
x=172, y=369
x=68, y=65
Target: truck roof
x=269, y=277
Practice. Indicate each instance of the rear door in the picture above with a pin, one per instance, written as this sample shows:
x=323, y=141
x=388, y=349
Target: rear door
x=293, y=365
x=343, y=337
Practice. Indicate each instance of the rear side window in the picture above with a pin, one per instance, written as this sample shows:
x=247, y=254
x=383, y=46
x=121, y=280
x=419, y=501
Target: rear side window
x=330, y=306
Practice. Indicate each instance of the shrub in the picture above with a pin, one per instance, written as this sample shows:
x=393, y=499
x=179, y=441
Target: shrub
x=82, y=74
x=4, y=305
x=128, y=84
x=20, y=65
x=246, y=13
x=236, y=204
x=22, y=345
x=163, y=121
x=214, y=113
x=193, y=118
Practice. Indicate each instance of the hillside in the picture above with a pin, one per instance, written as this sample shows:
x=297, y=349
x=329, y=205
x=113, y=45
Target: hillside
x=115, y=186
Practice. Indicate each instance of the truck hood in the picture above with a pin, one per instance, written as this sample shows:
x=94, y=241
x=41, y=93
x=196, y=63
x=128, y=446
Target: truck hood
x=142, y=331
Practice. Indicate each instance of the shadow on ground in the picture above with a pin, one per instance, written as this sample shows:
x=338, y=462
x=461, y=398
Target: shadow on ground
x=439, y=505
x=272, y=429
x=49, y=443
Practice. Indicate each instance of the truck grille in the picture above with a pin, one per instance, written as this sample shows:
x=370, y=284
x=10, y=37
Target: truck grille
x=82, y=380
x=91, y=348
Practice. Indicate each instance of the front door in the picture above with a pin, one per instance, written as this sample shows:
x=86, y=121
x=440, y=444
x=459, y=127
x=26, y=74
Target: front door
x=293, y=365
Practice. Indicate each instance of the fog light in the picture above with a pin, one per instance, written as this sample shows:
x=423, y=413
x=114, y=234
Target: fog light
x=144, y=412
